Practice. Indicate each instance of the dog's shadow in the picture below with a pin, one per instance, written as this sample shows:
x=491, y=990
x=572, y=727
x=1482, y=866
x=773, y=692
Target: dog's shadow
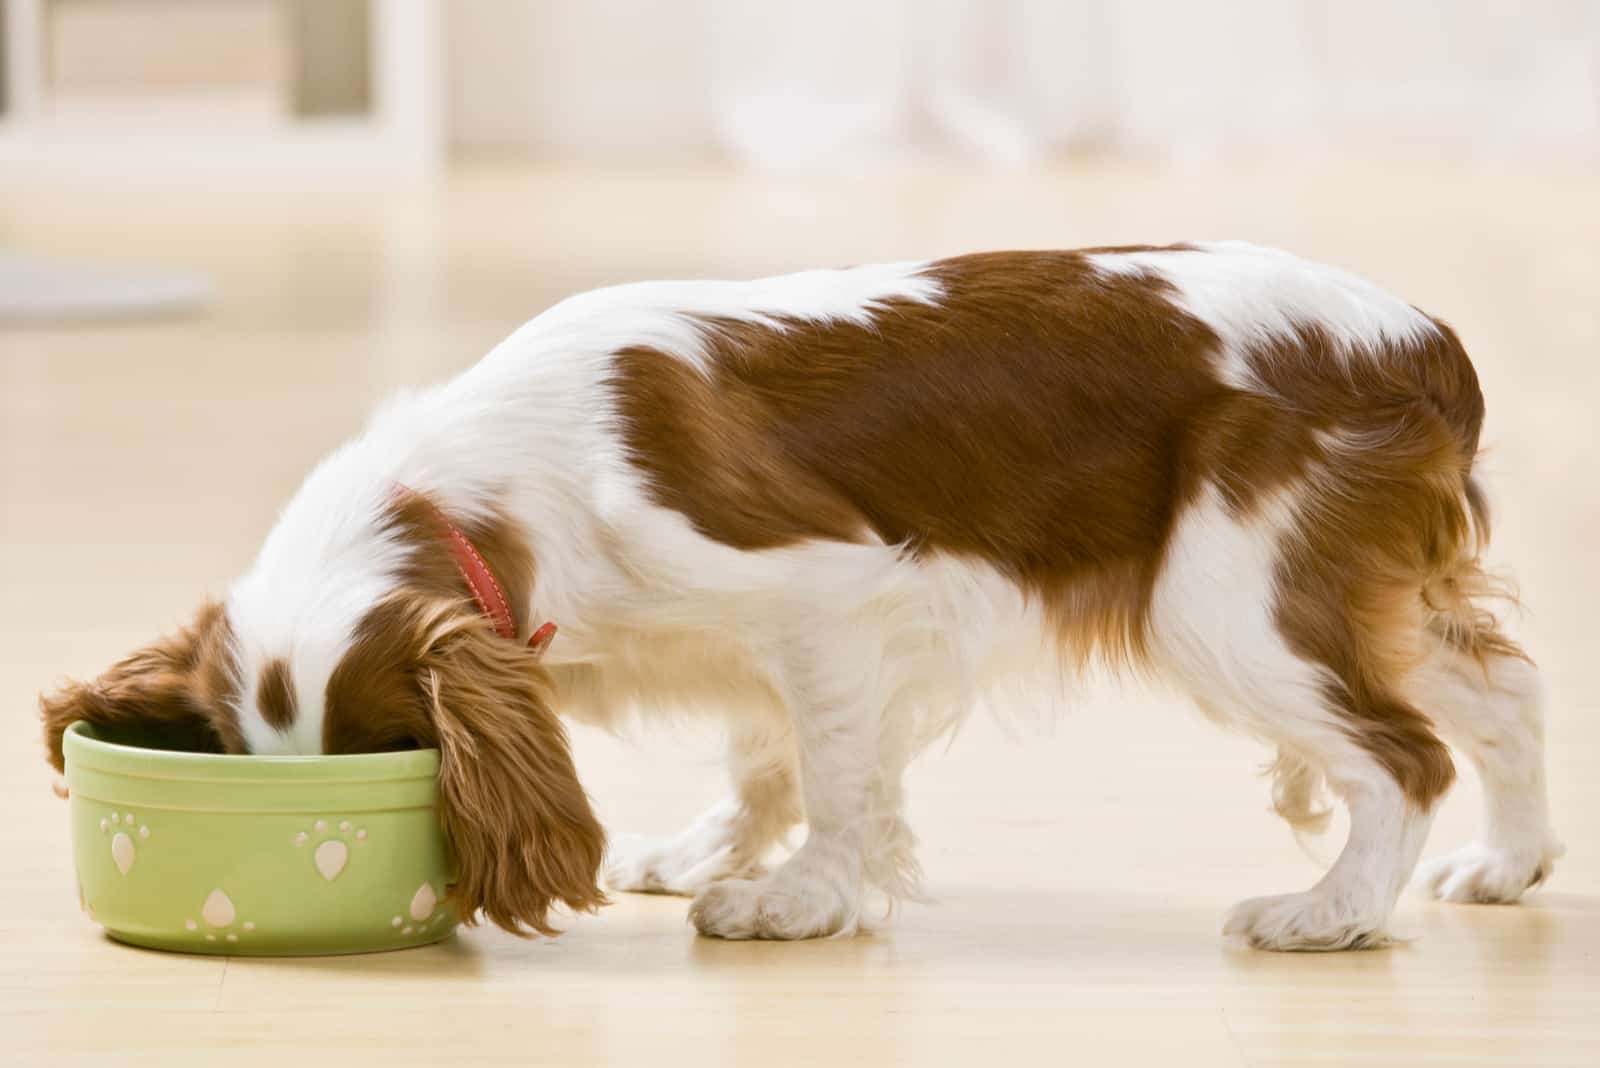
x=980, y=929
x=1021, y=932
x=968, y=932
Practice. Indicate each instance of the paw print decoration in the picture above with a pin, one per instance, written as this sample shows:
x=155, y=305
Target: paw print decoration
x=332, y=852
x=121, y=826
x=152, y=876
x=219, y=916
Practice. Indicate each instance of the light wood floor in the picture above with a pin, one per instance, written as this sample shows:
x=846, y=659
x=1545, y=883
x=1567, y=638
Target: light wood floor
x=1081, y=870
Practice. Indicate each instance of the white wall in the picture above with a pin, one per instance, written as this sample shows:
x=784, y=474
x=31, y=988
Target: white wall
x=585, y=77
x=780, y=80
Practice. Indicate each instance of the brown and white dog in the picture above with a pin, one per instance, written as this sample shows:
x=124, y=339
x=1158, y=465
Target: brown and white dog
x=837, y=507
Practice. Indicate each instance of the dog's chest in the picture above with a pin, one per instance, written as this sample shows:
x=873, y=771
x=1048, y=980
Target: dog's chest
x=609, y=675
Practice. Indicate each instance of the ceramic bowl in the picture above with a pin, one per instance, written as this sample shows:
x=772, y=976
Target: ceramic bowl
x=205, y=853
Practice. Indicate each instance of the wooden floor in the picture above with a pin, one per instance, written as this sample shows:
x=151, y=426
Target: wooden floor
x=1081, y=868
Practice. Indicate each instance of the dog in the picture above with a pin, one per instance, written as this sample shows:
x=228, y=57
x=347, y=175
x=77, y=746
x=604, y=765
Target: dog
x=837, y=508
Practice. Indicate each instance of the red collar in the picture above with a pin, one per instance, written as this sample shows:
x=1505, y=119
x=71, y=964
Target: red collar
x=480, y=579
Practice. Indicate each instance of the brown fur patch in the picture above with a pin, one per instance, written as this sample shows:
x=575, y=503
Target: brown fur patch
x=183, y=686
x=1033, y=418
x=516, y=815
x=1054, y=422
x=373, y=701
x=431, y=569
x=428, y=671
x=1390, y=526
x=275, y=695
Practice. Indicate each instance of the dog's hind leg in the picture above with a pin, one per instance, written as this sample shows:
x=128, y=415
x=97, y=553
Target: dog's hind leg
x=1485, y=696
x=1220, y=626
x=1350, y=905
x=730, y=839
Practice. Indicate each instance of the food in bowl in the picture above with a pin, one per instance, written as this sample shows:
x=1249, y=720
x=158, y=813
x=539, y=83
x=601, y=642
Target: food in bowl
x=248, y=855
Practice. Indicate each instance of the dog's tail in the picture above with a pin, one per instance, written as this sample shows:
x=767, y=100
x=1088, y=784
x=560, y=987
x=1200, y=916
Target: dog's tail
x=1299, y=794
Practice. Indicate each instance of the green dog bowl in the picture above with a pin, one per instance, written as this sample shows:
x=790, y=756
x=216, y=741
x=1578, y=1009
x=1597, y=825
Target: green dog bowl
x=266, y=856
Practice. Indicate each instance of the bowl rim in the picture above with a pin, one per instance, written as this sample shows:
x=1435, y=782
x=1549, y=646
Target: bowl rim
x=83, y=748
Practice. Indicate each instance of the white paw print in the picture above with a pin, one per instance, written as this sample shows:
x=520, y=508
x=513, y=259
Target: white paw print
x=219, y=914
x=123, y=853
x=423, y=908
x=333, y=852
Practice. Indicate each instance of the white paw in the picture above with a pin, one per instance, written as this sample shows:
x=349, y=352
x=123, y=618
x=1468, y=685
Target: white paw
x=685, y=864
x=779, y=907
x=1308, y=921
x=1485, y=874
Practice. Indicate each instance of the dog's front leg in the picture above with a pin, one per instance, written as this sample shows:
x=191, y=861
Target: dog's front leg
x=835, y=700
x=731, y=838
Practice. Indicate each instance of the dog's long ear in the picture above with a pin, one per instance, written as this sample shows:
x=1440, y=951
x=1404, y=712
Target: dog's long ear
x=179, y=688
x=517, y=817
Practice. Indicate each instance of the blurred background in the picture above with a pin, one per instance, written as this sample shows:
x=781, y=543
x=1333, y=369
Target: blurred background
x=751, y=134
x=795, y=99
x=407, y=86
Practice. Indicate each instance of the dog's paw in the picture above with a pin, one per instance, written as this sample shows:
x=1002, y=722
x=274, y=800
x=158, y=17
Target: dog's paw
x=1304, y=922
x=683, y=865
x=774, y=907
x=1486, y=875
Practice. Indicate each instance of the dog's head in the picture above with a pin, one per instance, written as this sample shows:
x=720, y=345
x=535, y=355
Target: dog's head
x=408, y=663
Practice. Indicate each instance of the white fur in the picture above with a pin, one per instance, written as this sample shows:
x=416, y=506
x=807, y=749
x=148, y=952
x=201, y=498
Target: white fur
x=833, y=662
x=1492, y=713
x=637, y=611
x=323, y=566
x=663, y=314
x=1249, y=295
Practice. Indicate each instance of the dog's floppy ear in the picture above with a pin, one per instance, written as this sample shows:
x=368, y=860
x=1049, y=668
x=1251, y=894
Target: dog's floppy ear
x=517, y=817
x=179, y=689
